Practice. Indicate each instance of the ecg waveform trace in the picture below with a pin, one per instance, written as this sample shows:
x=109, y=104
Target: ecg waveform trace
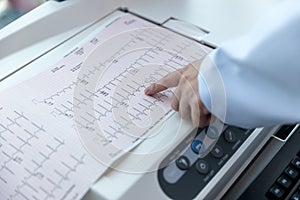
x=42, y=154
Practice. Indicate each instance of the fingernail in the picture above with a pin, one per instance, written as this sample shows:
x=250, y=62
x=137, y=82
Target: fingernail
x=148, y=90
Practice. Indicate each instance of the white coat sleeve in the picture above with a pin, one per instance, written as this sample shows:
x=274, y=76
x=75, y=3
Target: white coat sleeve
x=254, y=80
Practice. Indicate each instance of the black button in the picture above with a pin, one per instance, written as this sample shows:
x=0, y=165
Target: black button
x=295, y=196
x=202, y=167
x=183, y=163
x=276, y=191
x=298, y=154
x=230, y=136
x=296, y=163
x=284, y=181
x=291, y=172
x=217, y=151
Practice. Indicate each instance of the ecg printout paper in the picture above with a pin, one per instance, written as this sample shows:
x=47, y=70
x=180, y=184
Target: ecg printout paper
x=60, y=130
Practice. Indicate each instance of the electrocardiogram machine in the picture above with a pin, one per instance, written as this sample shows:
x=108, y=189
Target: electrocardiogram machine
x=75, y=123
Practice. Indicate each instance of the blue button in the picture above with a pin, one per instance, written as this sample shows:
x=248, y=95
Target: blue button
x=197, y=146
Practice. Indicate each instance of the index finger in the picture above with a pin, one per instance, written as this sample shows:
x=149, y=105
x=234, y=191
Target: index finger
x=170, y=80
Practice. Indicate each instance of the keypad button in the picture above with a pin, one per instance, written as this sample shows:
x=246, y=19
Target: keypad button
x=183, y=163
x=284, y=181
x=296, y=163
x=172, y=173
x=295, y=196
x=277, y=192
x=217, y=151
x=291, y=172
x=230, y=136
x=197, y=146
x=202, y=167
x=212, y=132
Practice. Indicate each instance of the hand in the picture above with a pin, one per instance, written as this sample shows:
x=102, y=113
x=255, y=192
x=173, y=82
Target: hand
x=186, y=99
